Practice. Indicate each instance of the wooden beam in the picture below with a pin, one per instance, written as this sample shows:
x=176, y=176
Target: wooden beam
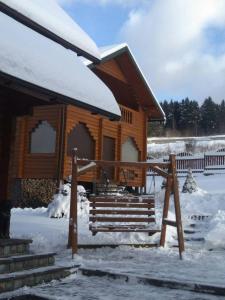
x=121, y=219
x=124, y=164
x=165, y=210
x=177, y=206
x=86, y=168
x=159, y=171
x=72, y=237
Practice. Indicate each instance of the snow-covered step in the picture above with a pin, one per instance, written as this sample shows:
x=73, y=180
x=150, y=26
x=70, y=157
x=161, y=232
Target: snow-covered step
x=194, y=239
x=189, y=231
x=25, y=262
x=13, y=281
x=102, y=188
x=12, y=247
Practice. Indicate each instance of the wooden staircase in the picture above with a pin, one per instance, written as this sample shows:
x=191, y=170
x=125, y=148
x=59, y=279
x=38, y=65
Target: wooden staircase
x=108, y=189
x=18, y=267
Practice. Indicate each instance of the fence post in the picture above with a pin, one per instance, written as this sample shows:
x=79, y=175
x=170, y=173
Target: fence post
x=72, y=237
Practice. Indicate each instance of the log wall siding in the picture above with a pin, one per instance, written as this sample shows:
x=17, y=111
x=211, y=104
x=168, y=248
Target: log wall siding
x=74, y=115
x=27, y=165
x=34, y=165
x=17, y=160
x=98, y=128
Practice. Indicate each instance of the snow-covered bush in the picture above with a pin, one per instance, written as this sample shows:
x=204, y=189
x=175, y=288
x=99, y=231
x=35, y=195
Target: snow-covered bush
x=190, y=184
x=60, y=206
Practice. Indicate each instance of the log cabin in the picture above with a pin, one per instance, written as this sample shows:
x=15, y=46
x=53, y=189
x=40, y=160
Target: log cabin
x=52, y=102
x=126, y=139
x=41, y=77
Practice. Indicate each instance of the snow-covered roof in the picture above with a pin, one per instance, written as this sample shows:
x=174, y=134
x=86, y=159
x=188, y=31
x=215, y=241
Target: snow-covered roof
x=49, y=19
x=28, y=56
x=112, y=51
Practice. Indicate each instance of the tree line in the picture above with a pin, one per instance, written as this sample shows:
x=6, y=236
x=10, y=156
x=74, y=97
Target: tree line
x=188, y=118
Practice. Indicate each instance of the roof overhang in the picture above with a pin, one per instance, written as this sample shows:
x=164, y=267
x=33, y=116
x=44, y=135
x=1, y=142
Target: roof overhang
x=35, y=15
x=32, y=62
x=49, y=96
x=149, y=102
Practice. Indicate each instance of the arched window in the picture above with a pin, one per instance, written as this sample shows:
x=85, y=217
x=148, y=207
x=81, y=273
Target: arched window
x=81, y=139
x=130, y=151
x=43, y=138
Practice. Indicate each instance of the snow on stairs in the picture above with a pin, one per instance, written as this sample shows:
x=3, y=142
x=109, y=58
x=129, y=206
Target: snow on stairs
x=193, y=233
x=108, y=189
x=19, y=268
x=14, y=247
x=193, y=236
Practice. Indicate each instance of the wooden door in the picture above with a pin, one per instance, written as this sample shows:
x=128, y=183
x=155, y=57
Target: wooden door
x=109, y=146
x=81, y=139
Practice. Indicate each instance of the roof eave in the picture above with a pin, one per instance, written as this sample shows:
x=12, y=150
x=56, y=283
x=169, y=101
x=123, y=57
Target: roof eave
x=45, y=32
x=126, y=48
x=50, y=96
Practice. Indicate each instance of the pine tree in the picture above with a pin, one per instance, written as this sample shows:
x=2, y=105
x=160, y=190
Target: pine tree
x=209, y=117
x=190, y=184
x=189, y=117
x=221, y=117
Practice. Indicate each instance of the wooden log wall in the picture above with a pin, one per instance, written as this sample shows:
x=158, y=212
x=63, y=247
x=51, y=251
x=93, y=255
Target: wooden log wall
x=35, y=165
x=58, y=165
x=98, y=128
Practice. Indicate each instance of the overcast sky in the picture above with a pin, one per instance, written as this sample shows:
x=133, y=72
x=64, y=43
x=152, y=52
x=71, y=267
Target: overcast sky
x=179, y=44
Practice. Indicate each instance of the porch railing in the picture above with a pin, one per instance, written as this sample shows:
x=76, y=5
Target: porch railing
x=127, y=115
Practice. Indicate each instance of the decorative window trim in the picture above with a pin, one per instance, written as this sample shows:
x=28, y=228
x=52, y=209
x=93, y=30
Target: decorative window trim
x=130, y=138
x=36, y=141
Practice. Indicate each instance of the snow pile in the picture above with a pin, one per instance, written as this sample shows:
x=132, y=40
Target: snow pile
x=205, y=208
x=48, y=235
x=215, y=237
x=202, y=203
x=60, y=206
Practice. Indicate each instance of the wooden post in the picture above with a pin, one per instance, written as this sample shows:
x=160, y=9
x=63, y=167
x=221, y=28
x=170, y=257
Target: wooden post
x=72, y=237
x=165, y=210
x=177, y=206
x=172, y=185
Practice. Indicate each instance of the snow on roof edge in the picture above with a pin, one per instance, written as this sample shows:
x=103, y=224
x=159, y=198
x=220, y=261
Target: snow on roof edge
x=110, y=50
x=56, y=25
x=42, y=60
x=65, y=99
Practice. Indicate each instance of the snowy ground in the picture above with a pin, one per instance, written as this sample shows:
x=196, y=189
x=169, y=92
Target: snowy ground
x=158, y=147
x=199, y=264
x=84, y=288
